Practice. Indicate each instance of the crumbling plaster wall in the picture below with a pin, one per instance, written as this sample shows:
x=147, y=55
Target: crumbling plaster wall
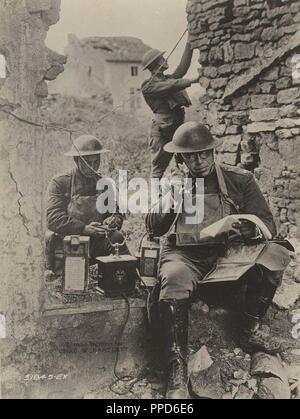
x=248, y=49
x=23, y=29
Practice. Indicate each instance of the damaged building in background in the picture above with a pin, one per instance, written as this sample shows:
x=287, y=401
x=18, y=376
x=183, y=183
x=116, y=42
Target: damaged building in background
x=109, y=68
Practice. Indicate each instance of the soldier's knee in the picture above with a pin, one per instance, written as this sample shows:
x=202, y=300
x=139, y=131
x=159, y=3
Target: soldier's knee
x=177, y=282
x=173, y=272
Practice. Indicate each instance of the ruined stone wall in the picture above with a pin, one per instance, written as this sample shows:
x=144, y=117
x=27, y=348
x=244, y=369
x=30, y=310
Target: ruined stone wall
x=23, y=29
x=248, y=49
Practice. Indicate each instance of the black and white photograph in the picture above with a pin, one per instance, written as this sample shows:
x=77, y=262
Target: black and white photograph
x=150, y=202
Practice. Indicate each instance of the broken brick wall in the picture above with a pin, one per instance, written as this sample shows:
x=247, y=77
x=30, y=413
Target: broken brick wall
x=249, y=50
x=29, y=64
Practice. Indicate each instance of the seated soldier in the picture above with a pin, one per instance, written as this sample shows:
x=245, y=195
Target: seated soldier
x=227, y=190
x=71, y=202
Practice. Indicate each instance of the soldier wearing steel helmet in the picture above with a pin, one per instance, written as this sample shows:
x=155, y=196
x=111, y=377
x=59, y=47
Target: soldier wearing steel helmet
x=187, y=258
x=71, y=201
x=167, y=97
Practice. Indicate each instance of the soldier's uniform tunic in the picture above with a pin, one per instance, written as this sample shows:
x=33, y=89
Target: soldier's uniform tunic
x=183, y=268
x=167, y=98
x=71, y=205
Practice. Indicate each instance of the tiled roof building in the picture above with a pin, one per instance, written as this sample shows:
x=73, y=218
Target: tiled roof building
x=106, y=67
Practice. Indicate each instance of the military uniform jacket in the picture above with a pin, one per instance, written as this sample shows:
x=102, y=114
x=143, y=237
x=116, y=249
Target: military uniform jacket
x=243, y=190
x=58, y=199
x=165, y=93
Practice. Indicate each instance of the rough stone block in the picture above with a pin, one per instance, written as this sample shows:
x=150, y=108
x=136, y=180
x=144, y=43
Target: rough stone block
x=262, y=101
x=225, y=70
x=277, y=11
x=294, y=7
x=287, y=294
x=266, y=87
x=203, y=57
x=228, y=158
x=54, y=71
x=294, y=190
x=241, y=102
x=271, y=34
x=289, y=95
x=288, y=123
x=216, y=56
x=284, y=133
x=233, y=129
x=243, y=51
x=291, y=29
x=271, y=74
x=273, y=380
x=201, y=43
x=265, y=114
x=228, y=52
x=260, y=127
x=238, y=118
x=215, y=41
x=238, y=68
x=231, y=143
x=244, y=37
x=205, y=82
x=239, y=3
x=218, y=129
x=283, y=83
x=219, y=83
x=241, y=11
x=210, y=72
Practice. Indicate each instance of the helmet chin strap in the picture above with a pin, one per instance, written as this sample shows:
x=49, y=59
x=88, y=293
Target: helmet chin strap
x=81, y=159
x=211, y=170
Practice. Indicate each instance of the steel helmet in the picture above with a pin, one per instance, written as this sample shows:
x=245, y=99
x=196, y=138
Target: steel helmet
x=192, y=137
x=151, y=56
x=86, y=145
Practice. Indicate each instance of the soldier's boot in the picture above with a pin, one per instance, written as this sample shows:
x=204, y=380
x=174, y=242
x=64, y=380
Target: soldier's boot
x=155, y=330
x=174, y=318
x=259, y=295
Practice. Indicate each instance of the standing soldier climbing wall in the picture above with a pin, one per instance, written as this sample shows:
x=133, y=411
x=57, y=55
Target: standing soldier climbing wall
x=167, y=98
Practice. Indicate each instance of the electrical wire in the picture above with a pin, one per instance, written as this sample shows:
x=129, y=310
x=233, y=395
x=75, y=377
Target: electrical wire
x=125, y=378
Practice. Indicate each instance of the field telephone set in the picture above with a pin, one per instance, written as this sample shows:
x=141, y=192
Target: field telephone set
x=149, y=260
x=76, y=264
x=117, y=273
